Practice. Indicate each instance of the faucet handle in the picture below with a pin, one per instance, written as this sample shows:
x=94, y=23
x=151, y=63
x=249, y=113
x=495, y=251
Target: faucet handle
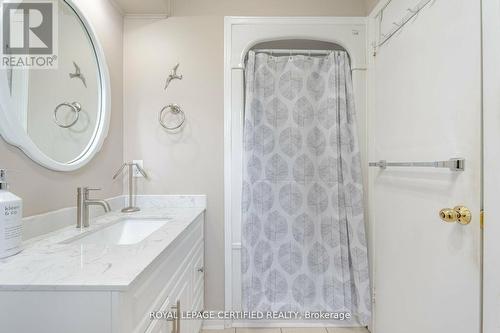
x=88, y=189
x=119, y=170
x=130, y=165
x=84, y=191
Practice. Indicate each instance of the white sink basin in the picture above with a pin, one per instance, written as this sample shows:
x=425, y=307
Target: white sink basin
x=124, y=232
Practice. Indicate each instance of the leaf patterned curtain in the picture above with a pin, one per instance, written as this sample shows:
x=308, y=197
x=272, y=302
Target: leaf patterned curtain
x=303, y=237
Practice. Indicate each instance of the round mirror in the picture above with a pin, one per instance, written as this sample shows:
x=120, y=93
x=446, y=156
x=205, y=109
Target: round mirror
x=59, y=114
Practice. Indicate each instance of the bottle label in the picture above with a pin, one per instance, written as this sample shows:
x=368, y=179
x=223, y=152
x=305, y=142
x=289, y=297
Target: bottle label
x=10, y=227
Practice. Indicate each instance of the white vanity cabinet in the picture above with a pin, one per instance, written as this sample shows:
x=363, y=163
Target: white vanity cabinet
x=174, y=279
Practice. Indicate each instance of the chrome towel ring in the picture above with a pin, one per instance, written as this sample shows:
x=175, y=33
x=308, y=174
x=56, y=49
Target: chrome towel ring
x=176, y=110
x=75, y=107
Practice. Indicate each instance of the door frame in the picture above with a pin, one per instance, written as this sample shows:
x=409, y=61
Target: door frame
x=240, y=34
x=491, y=164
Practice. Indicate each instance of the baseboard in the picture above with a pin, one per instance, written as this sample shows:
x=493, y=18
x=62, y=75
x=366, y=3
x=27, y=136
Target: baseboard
x=219, y=324
x=213, y=325
x=293, y=324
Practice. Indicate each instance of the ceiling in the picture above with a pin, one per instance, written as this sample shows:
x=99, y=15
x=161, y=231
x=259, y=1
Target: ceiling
x=162, y=7
x=370, y=4
x=143, y=7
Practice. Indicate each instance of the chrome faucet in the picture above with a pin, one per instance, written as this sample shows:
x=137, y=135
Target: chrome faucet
x=131, y=208
x=82, y=206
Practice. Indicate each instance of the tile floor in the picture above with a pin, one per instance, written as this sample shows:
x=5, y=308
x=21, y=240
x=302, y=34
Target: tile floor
x=290, y=330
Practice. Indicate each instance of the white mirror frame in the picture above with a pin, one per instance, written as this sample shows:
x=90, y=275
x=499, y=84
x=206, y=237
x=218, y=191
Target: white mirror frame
x=13, y=133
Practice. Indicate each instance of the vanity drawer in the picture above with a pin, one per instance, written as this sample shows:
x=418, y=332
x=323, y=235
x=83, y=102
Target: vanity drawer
x=151, y=291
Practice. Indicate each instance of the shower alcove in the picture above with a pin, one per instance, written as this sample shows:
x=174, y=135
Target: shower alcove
x=299, y=33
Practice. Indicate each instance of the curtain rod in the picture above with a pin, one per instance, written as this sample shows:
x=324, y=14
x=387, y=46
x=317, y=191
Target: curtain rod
x=294, y=52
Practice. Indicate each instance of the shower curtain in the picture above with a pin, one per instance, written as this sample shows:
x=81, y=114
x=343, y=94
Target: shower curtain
x=303, y=238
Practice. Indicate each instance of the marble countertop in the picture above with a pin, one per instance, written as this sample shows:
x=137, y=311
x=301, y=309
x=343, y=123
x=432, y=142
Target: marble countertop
x=48, y=264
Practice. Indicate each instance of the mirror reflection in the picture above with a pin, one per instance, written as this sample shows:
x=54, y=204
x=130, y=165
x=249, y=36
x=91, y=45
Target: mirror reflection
x=59, y=109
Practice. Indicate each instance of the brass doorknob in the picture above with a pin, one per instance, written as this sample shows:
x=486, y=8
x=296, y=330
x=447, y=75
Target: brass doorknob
x=458, y=214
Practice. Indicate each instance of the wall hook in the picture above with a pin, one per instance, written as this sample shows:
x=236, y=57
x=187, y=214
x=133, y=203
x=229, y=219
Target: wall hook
x=173, y=75
x=78, y=74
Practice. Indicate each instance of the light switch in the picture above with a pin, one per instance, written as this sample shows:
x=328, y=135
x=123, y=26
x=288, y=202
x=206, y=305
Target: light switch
x=137, y=174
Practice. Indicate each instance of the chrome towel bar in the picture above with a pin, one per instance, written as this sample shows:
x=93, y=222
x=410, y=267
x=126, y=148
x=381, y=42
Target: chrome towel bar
x=454, y=164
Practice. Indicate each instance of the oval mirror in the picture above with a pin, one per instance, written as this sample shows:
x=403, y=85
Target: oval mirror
x=54, y=96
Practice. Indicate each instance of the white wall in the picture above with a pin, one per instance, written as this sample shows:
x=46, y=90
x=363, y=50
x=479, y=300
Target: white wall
x=44, y=190
x=192, y=162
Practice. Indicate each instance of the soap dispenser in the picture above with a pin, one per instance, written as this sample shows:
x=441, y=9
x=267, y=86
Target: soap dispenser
x=11, y=208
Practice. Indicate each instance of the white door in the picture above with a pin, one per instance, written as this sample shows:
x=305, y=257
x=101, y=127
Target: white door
x=426, y=106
